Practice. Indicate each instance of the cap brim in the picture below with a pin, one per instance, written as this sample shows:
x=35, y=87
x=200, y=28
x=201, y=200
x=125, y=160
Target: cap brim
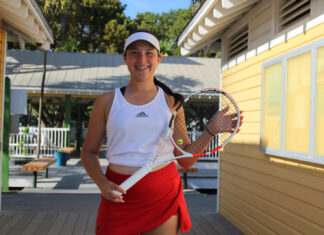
x=142, y=36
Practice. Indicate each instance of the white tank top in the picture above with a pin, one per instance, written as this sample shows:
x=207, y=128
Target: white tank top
x=136, y=132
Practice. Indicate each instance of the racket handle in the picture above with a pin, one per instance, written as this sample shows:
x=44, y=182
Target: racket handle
x=133, y=179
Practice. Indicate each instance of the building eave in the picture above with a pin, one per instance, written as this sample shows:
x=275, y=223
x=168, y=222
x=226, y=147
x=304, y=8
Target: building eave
x=212, y=18
x=25, y=21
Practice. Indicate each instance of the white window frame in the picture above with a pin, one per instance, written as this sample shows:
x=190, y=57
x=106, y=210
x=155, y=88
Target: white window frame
x=311, y=156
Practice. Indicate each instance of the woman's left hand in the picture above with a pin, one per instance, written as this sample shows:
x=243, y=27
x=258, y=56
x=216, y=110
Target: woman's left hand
x=221, y=122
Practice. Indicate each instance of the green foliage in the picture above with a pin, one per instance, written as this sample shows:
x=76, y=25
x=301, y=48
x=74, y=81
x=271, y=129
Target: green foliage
x=71, y=44
x=21, y=143
x=196, y=4
x=101, y=26
x=53, y=113
x=166, y=26
x=115, y=35
x=87, y=25
x=26, y=130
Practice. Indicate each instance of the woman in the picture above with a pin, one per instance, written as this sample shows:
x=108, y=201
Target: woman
x=134, y=118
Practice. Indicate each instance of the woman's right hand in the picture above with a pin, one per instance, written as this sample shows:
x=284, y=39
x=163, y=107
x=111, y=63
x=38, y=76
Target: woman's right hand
x=108, y=194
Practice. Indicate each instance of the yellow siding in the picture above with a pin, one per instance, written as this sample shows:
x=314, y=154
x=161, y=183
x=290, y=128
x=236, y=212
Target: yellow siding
x=263, y=194
x=2, y=64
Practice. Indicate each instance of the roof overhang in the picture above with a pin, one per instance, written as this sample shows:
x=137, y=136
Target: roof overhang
x=62, y=91
x=91, y=74
x=24, y=21
x=210, y=21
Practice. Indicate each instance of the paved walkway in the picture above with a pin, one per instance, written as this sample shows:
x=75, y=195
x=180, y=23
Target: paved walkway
x=70, y=195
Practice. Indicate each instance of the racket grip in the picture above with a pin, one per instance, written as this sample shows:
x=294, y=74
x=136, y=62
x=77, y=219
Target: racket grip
x=133, y=179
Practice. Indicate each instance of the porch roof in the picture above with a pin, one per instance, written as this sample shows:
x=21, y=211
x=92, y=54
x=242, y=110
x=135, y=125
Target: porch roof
x=95, y=73
x=24, y=21
x=210, y=21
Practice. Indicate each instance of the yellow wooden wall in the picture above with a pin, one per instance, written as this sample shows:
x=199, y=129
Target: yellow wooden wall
x=263, y=194
x=2, y=64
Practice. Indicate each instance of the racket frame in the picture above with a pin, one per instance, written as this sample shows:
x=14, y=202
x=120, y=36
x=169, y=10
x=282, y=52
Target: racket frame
x=219, y=147
x=144, y=170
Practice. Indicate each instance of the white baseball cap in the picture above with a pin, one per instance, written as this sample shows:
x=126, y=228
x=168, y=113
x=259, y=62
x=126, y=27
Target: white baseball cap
x=142, y=36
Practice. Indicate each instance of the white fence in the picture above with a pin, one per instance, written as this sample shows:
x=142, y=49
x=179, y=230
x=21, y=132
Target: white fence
x=24, y=144
x=212, y=145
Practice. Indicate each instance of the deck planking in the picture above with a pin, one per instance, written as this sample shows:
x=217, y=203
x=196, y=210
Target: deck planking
x=54, y=223
x=67, y=203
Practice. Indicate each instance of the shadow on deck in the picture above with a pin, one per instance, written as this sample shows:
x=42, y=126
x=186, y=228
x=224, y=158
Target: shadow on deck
x=66, y=203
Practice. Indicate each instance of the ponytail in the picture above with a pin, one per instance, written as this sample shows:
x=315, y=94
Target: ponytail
x=177, y=97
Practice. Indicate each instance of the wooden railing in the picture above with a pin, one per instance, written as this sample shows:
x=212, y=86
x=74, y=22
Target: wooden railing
x=24, y=143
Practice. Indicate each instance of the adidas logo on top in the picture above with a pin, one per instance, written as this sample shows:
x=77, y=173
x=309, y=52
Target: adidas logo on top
x=141, y=114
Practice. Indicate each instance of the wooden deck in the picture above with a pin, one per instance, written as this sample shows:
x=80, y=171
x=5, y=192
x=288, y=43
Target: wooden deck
x=66, y=203
x=65, y=223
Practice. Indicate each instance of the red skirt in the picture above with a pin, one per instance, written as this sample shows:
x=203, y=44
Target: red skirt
x=147, y=205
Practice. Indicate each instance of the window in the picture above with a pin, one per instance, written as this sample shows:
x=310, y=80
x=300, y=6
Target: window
x=292, y=112
x=319, y=123
x=272, y=106
x=297, y=110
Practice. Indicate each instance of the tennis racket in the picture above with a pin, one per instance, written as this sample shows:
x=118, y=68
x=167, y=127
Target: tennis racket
x=205, y=116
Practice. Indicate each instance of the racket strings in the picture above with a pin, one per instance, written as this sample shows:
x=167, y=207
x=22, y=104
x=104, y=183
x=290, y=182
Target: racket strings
x=228, y=123
x=211, y=109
